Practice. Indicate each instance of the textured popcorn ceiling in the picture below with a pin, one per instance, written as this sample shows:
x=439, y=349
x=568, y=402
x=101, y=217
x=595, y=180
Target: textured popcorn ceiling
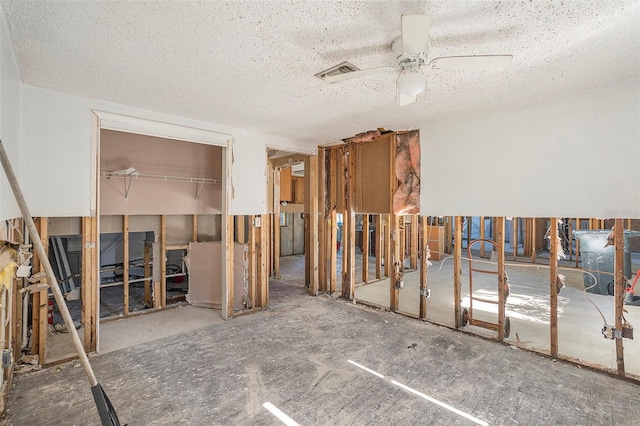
x=251, y=64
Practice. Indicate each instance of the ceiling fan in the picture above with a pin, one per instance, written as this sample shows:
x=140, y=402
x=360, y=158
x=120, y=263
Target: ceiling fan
x=411, y=52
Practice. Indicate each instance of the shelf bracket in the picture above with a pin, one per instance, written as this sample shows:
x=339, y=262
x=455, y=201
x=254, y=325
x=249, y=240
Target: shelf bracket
x=127, y=187
x=199, y=186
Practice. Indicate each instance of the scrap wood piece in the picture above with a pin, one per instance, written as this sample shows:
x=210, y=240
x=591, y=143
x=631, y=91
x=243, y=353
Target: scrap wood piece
x=33, y=288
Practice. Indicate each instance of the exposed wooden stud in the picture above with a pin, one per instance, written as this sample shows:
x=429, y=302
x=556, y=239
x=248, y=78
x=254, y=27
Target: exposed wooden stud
x=157, y=300
x=628, y=224
x=395, y=262
x=481, y=236
x=514, y=238
x=457, y=271
x=228, y=285
x=147, y=274
x=43, y=298
x=264, y=276
x=311, y=175
x=350, y=226
x=570, y=237
x=402, y=243
x=307, y=253
x=577, y=243
x=469, y=218
x=276, y=219
x=533, y=239
x=163, y=261
x=345, y=221
x=502, y=278
x=194, y=228
x=553, y=287
x=125, y=263
x=424, y=261
x=448, y=234
x=333, y=259
x=322, y=221
x=619, y=291
x=379, y=244
x=17, y=296
x=413, y=253
x=253, y=264
x=240, y=231
x=333, y=226
x=269, y=219
x=334, y=165
x=388, y=246
x=85, y=278
x=365, y=248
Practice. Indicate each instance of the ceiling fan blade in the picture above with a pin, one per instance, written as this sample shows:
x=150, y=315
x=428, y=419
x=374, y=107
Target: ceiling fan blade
x=406, y=100
x=471, y=63
x=359, y=73
x=415, y=33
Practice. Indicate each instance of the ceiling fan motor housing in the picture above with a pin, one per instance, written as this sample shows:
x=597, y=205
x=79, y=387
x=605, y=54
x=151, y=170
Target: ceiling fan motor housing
x=402, y=58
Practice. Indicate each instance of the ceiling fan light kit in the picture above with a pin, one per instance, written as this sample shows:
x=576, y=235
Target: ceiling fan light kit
x=411, y=83
x=411, y=51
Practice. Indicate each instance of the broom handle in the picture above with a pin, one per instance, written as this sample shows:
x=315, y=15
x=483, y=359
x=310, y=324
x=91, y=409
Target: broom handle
x=44, y=260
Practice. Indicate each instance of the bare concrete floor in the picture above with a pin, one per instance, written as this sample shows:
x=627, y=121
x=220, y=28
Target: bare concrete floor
x=305, y=356
x=528, y=308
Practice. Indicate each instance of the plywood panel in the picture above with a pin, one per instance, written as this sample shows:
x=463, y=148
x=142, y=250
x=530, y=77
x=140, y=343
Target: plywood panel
x=373, y=176
x=286, y=193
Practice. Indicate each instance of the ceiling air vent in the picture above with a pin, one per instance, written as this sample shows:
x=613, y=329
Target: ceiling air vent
x=342, y=68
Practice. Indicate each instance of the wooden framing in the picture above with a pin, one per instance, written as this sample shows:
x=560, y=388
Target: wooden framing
x=125, y=263
x=388, y=226
x=147, y=274
x=40, y=299
x=365, y=248
x=413, y=252
x=577, y=243
x=263, y=289
x=379, y=244
x=253, y=267
x=553, y=288
x=349, y=228
x=311, y=172
x=514, y=237
x=228, y=288
x=276, y=220
x=502, y=278
x=424, y=261
x=395, y=262
x=457, y=271
x=90, y=283
x=163, y=261
x=619, y=291
x=333, y=251
x=17, y=298
x=321, y=213
x=481, y=236
x=448, y=220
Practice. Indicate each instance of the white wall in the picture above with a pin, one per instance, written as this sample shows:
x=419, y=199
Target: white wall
x=56, y=139
x=572, y=156
x=10, y=116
